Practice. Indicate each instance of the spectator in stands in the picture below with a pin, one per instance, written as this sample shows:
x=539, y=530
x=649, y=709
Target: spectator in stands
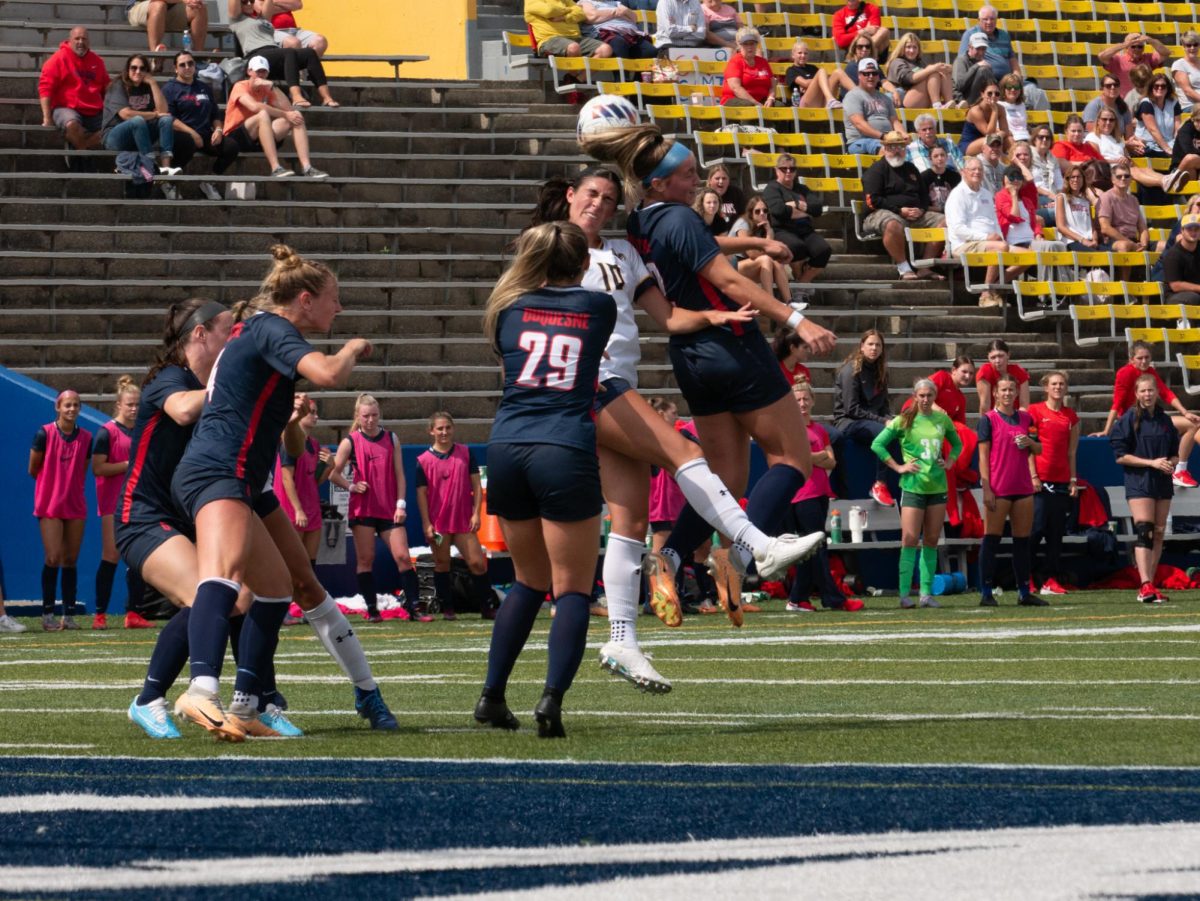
x=757, y=265
x=733, y=201
x=1000, y=365
x=1110, y=98
x=1006, y=443
x=985, y=120
x=925, y=85
x=1107, y=140
x=939, y=180
x=1012, y=101
x=748, y=80
x=868, y=112
x=288, y=34
x=1073, y=148
x=926, y=139
x=1139, y=77
x=793, y=208
x=681, y=23
x=1125, y=397
x=158, y=17
x=845, y=80
x=950, y=382
x=860, y=402
x=71, y=91
x=1047, y=173
x=259, y=117
x=1073, y=214
x=1120, y=59
x=1016, y=211
x=972, y=72
x=1022, y=157
x=1165, y=244
x=1185, y=154
x=198, y=124
x=722, y=21
x=614, y=23
x=807, y=84
x=1186, y=71
x=250, y=21
x=1000, y=56
x=856, y=18
x=708, y=207
x=971, y=226
x=791, y=351
x=895, y=200
x=1054, y=483
x=1157, y=118
x=132, y=106
x=1181, y=264
x=1121, y=219
x=1146, y=445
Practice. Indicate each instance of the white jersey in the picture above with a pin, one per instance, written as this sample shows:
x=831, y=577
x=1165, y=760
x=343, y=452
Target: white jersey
x=617, y=269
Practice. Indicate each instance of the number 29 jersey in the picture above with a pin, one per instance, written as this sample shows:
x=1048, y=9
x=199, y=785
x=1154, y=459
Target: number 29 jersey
x=551, y=342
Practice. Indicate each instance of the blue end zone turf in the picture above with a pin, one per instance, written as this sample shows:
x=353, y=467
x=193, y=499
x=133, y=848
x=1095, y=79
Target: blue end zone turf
x=401, y=811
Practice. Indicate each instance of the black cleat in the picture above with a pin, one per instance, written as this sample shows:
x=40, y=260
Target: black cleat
x=495, y=714
x=1032, y=600
x=988, y=601
x=548, y=714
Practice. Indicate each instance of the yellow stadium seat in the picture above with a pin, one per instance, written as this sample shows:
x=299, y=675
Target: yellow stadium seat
x=1085, y=313
x=1029, y=299
x=1189, y=365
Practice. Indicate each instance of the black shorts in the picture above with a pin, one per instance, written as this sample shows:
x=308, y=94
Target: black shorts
x=722, y=373
x=266, y=504
x=245, y=144
x=192, y=490
x=662, y=525
x=136, y=541
x=550, y=481
x=1012, y=497
x=610, y=390
x=378, y=523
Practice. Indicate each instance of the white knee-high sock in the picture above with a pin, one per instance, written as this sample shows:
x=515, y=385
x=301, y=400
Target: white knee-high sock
x=622, y=581
x=333, y=629
x=712, y=500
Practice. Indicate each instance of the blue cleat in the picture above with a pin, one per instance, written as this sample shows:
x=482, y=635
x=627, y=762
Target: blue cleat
x=154, y=718
x=371, y=707
x=273, y=718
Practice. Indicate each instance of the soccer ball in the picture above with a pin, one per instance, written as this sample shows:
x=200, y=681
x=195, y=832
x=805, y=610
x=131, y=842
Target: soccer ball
x=604, y=112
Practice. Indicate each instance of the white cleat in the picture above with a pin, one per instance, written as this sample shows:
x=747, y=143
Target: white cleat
x=786, y=550
x=633, y=666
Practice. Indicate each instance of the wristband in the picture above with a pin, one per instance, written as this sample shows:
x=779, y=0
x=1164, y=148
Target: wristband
x=793, y=321
x=401, y=504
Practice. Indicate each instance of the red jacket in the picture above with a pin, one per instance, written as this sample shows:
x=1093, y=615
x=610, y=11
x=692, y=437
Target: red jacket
x=73, y=81
x=1004, y=209
x=847, y=24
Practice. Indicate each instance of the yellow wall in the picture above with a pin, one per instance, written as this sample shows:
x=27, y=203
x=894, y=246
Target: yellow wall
x=433, y=28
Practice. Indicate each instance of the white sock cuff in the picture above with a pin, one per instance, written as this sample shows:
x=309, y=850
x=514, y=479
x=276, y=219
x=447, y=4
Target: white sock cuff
x=690, y=465
x=228, y=583
x=259, y=599
x=631, y=543
x=322, y=609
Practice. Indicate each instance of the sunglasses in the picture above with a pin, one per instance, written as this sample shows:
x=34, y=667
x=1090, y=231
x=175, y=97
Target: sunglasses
x=185, y=65
x=785, y=168
x=1041, y=137
x=1125, y=177
x=1109, y=84
x=1107, y=119
x=759, y=213
x=1158, y=87
x=1191, y=46
x=1075, y=177
x=137, y=68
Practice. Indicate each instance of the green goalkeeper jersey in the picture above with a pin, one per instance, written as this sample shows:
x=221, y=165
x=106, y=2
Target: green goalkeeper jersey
x=922, y=442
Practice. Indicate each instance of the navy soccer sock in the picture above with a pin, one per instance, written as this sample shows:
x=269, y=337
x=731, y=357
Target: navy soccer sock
x=987, y=564
x=70, y=581
x=236, y=621
x=49, y=584
x=136, y=589
x=105, y=573
x=411, y=586
x=366, y=587
x=1021, y=564
x=568, y=639
x=510, y=631
x=260, y=637
x=208, y=626
x=690, y=531
x=443, y=590
x=482, y=586
x=169, y=657
x=771, y=500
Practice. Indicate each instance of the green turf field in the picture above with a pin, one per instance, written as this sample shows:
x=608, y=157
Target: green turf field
x=1095, y=679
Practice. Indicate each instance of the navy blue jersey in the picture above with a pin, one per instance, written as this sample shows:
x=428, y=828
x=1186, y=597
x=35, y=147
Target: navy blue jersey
x=1156, y=436
x=156, y=448
x=551, y=341
x=250, y=399
x=676, y=244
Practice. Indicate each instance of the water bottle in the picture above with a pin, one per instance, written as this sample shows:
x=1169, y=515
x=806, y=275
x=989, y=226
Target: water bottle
x=857, y=524
x=835, y=527
x=187, y=40
x=797, y=97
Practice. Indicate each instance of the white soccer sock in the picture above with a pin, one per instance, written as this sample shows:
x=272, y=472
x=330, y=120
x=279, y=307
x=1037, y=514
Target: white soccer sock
x=333, y=629
x=622, y=581
x=716, y=504
x=1181, y=466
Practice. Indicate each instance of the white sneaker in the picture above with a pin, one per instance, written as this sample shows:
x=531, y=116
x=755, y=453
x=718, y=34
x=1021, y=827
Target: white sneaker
x=170, y=191
x=209, y=190
x=632, y=665
x=786, y=550
x=8, y=624
x=169, y=170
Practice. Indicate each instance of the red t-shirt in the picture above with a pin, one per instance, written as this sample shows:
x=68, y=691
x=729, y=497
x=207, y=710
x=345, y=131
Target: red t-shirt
x=757, y=78
x=950, y=397
x=280, y=21
x=1054, y=432
x=987, y=373
x=1075, y=153
x=847, y=24
x=795, y=372
x=1123, y=389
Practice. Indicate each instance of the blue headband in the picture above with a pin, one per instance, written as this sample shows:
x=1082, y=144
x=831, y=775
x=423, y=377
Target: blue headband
x=668, y=164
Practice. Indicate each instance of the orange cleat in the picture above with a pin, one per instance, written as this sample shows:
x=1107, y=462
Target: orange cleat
x=664, y=599
x=728, y=582
x=253, y=726
x=205, y=710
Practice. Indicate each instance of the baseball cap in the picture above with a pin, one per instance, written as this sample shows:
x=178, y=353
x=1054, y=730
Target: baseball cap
x=1190, y=220
x=868, y=65
x=996, y=138
x=978, y=39
x=257, y=64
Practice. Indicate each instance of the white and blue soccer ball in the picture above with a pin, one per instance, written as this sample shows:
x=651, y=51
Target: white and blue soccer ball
x=604, y=112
